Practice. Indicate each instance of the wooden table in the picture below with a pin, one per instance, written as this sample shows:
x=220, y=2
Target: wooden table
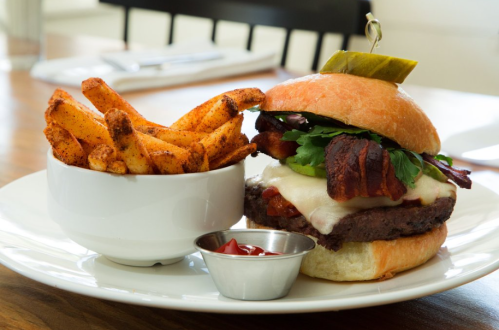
x=27, y=304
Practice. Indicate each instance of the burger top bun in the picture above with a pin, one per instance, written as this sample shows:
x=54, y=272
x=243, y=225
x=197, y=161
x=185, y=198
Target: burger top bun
x=379, y=106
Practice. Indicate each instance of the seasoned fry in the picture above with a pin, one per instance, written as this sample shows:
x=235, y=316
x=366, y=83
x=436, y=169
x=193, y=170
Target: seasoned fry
x=127, y=142
x=242, y=140
x=104, y=98
x=233, y=157
x=237, y=142
x=60, y=93
x=198, y=159
x=205, y=164
x=65, y=145
x=123, y=141
x=88, y=147
x=223, y=138
x=173, y=136
x=56, y=155
x=153, y=144
x=191, y=120
x=244, y=98
x=167, y=163
x=117, y=167
x=100, y=158
x=222, y=111
x=48, y=119
x=79, y=123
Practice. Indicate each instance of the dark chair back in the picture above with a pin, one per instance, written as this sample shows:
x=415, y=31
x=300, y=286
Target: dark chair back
x=345, y=17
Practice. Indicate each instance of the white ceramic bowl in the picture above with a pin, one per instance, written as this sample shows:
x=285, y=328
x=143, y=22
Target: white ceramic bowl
x=142, y=220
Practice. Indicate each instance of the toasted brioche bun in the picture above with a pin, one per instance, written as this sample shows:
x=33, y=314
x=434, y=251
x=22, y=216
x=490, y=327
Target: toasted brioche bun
x=379, y=106
x=362, y=261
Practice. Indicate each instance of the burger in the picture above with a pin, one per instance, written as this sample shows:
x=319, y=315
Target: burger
x=357, y=168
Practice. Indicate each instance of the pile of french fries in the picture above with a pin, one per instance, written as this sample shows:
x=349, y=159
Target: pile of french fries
x=122, y=141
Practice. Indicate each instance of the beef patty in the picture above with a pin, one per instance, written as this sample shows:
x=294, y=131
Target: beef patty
x=381, y=223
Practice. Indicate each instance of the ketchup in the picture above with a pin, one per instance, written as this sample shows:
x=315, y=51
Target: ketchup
x=232, y=247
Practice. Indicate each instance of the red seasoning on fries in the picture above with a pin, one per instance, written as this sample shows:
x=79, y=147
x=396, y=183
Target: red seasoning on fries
x=122, y=141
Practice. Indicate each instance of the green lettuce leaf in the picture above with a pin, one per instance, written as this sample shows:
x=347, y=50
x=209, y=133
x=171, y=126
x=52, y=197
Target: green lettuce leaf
x=312, y=143
x=405, y=170
x=444, y=158
x=256, y=108
x=311, y=150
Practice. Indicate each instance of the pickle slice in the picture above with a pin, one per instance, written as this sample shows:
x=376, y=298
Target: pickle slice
x=367, y=65
x=308, y=170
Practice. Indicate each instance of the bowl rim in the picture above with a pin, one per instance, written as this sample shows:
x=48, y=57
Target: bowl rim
x=250, y=257
x=51, y=157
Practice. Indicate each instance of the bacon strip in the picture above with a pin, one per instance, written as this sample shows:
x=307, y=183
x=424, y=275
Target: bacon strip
x=270, y=144
x=360, y=167
x=459, y=176
x=269, y=140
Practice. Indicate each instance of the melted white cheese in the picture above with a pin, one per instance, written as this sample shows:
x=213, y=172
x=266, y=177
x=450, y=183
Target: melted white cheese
x=309, y=195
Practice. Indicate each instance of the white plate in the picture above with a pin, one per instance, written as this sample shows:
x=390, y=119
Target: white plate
x=479, y=145
x=32, y=245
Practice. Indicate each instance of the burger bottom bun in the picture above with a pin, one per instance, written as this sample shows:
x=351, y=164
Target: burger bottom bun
x=362, y=261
